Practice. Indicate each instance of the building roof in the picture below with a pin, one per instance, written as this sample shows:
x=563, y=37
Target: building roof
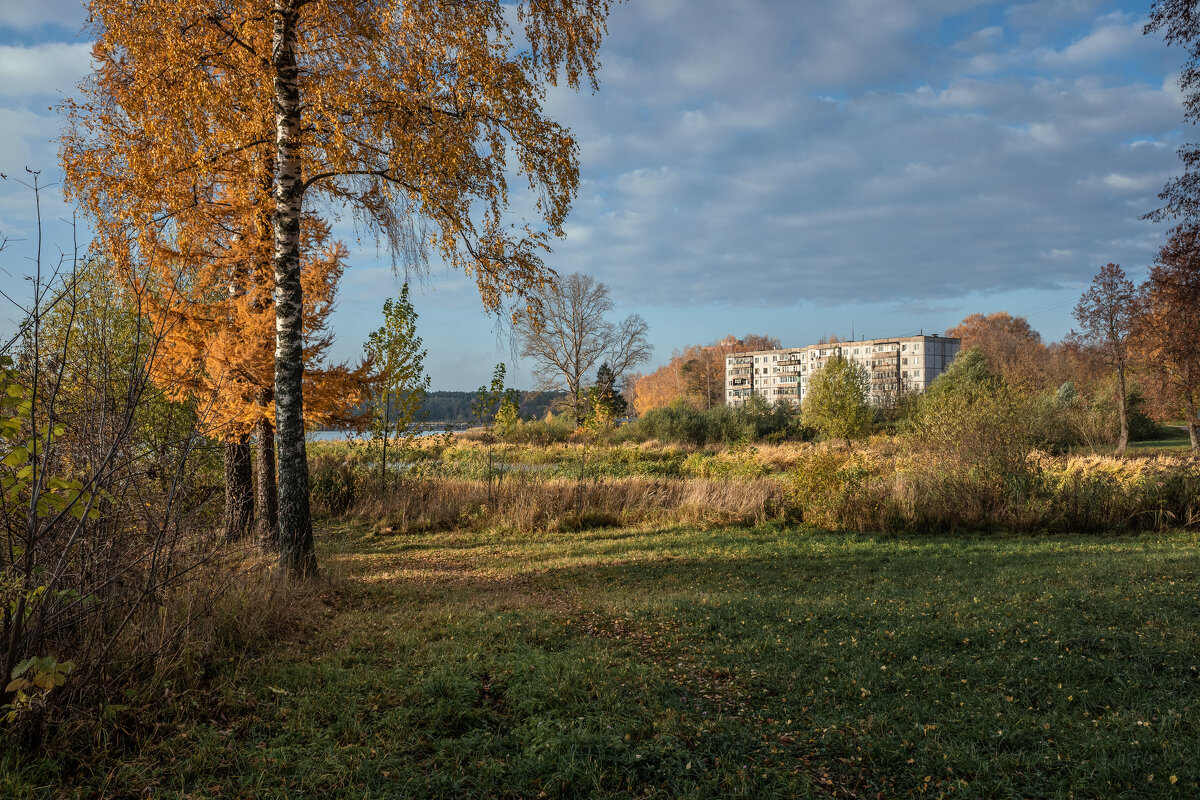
x=853, y=343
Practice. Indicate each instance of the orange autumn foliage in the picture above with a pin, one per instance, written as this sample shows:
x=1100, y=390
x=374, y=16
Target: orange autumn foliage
x=212, y=295
x=414, y=116
x=696, y=375
x=1014, y=350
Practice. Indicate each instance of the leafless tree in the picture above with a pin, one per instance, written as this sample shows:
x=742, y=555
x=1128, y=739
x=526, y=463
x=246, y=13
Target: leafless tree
x=1106, y=314
x=567, y=334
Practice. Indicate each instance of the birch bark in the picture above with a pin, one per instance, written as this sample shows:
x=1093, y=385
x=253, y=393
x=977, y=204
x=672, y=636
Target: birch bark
x=296, y=556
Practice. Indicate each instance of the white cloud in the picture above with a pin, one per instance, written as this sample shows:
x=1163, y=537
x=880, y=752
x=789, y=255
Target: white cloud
x=773, y=154
x=43, y=70
x=825, y=177
x=24, y=15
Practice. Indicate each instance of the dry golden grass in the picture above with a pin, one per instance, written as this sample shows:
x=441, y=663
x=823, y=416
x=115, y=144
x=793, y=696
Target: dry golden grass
x=887, y=483
x=887, y=489
x=520, y=503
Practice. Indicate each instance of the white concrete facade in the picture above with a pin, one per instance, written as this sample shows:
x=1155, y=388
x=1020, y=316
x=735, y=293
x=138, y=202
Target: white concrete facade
x=895, y=366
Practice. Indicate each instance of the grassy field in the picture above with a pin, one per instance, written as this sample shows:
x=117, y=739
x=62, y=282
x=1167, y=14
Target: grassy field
x=1174, y=438
x=742, y=662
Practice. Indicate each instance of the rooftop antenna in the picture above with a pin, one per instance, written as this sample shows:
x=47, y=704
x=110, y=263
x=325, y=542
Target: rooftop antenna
x=852, y=330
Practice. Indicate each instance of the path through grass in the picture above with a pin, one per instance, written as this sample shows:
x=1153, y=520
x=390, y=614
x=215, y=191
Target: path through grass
x=728, y=663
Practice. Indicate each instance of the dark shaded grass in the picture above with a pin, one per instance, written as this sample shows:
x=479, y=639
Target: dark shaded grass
x=1173, y=439
x=760, y=662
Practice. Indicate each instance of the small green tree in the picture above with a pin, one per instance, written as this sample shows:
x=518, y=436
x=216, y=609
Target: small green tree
x=603, y=398
x=489, y=408
x=968, y=374
x=401, y=383
x=508, y=415
x=836, y=403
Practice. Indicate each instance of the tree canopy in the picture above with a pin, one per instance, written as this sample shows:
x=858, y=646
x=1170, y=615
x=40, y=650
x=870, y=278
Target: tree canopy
x=1167, y=333
x=410, y=114
x=1013, y=349
x=837, y=400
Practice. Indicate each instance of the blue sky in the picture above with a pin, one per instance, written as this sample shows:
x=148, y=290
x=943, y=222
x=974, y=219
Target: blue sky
x=796, y=169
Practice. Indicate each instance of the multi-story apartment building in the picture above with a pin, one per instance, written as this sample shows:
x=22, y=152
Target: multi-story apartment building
x=906, y=364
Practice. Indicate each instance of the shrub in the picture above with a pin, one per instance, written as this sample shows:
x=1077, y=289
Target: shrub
x=836, y=489
x=983, y=434
x=678, y=422
x=682, y=423
x=334, y=487
x=759, y=419
x=836, y=404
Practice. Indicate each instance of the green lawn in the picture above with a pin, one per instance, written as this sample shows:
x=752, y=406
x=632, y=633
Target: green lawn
x=1174, y=439
x=730, y=663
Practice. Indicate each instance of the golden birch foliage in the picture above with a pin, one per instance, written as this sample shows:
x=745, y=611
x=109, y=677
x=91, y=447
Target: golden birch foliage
x=413, y=112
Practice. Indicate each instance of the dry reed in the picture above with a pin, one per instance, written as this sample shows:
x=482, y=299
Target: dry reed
x=526, y=504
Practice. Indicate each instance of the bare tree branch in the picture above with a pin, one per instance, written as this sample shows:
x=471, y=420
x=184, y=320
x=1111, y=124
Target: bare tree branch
x=568, y=336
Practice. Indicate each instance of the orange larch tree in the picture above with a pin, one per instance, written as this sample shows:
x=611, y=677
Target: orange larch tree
x=406, y=112
x=219, y=350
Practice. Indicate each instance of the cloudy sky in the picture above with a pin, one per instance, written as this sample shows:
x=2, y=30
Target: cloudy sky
x=795, y=168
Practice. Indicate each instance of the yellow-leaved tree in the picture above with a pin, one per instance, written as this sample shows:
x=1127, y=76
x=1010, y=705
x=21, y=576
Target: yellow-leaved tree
x=411, y=113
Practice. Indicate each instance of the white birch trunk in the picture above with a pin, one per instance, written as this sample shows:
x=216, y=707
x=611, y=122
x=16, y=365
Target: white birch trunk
x=296, y=556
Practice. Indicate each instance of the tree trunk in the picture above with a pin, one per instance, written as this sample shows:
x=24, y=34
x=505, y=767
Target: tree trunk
x=239, y=491
x=1123, y=411
x=267, y=500
x=1193, y=423
x=578, y=403
x=387, y=421
x=296, y=556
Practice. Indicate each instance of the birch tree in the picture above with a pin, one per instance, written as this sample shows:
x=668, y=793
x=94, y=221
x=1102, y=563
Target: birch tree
x=407, y=113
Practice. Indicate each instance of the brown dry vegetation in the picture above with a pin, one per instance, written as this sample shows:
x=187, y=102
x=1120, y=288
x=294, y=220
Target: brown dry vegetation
x=882, y=485
x=523, y=504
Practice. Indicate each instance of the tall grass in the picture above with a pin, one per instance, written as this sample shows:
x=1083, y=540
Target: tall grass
x=903, y=492
x=523, y=503
x=887, y=484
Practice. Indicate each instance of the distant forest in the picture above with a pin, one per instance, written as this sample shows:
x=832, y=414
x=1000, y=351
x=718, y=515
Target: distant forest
x=456, y=406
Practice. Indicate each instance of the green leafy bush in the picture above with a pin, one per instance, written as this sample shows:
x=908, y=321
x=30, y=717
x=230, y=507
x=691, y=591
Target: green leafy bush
x=682, y=423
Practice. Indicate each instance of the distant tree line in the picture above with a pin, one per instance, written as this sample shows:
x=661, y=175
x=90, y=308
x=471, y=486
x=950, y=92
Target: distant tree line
x=456, y=406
